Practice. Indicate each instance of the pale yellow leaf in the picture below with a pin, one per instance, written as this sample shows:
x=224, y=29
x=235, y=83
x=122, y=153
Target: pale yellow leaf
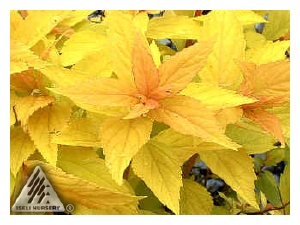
x=214, y=97
x=43, y=126
x=177, y=27
x=247, y=17
x=141, y=21
x=195, y=199
x=121, y=140
x=80, y=45
x=254, y=39
x=86, y=164
x=160, y=170
x=27, y=105
x=236, y=169
x=79, y=132
x=221, y=69
x=229, y=116
x=270, y=52
x=74, y=17
x=21, y=147
x=77, y=191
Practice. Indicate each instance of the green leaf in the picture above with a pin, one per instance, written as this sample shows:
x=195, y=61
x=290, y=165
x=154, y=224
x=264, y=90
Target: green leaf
x=252, y=140
x=195, y=199
x=268, y=185
x=275, y=156
x=284, y=187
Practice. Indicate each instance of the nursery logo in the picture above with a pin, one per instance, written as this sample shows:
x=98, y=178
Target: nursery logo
x=38, y=195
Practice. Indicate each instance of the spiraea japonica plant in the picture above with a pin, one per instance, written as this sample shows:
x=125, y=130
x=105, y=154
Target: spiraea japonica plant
x=153, y=111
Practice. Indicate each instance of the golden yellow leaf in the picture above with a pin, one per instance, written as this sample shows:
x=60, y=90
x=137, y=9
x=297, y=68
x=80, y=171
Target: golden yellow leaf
x=144, y=70
x=13, y=99
x=86, y=164
x=155, y=53
x=21, y=147
x=27, y=105
x=180, y=69
x=189, y=116
x=44, y=124
x=99, y=92
x=121, y=140
x=268, y=121
x=236, y=169
x=283, y=114
x=221, y=69
x=141, y=21
x=79, y=132
x=74, y=17
x=80, y=45
x=270, y=52
x=177, y=27
x=42, y=21
x=21, y=58
x=214, y=97
x=23, y=83
x=195, y=199
x=77, y=191
x=279, y=24
x=121, y=35
x=159, y=168
x=229, y=116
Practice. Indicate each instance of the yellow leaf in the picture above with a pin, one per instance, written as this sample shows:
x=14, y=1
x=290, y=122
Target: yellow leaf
x=21, y=58
x=180, y=69
x=80, y=45
x=141, y=21
x=215, y=97
x=221, y=69
x=94, y=65
x=270, y=52
x=77, y=191
x=21, y=147
x=86, y=164
x=121, y=35
x=99, y=92
x=177, y=27
x=12, y=183
x=74, y=17
x=268, y=121
x=254, y=141
x=126, y=209
x=27, y=105
x=268, y=79
x=247, y=17
x=284, y=186
x=229, y=116
x=41, y=20
x=189, y=116
x=279, y=24
x=159, y=168
x=44, y=124
x=79, y=132
x=155, y=53
x=121, y=140
x=13, y=99
x=236, y=169
x=195, y=199
x=254, y=39
x=144, y=70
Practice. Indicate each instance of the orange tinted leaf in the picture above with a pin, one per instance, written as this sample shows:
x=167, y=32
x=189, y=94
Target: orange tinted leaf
x=270, y=78
x=144, y=70
x=268, y=121
x=99, y=92
x=43, y=125
x=189, y=116
x=24, y=82
x=267, y=101
x=180, y=69
x=27, y=105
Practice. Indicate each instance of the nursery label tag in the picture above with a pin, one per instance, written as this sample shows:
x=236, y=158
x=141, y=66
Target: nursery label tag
x=38, y=195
